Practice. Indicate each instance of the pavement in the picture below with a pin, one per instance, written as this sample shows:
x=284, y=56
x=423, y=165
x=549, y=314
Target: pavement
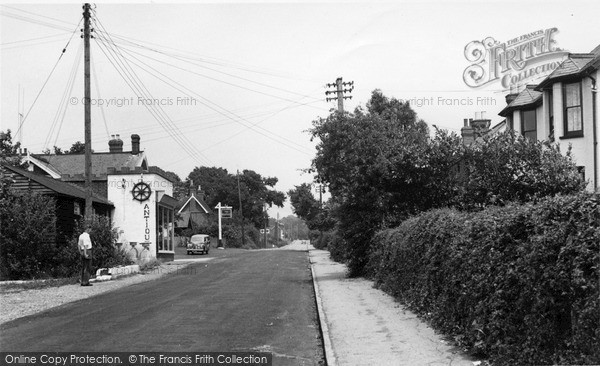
x=362, y=325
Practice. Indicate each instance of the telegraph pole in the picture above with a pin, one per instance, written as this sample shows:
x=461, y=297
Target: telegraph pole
x=340, y=91
x=87, y=112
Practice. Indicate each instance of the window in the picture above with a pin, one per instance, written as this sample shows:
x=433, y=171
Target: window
x=509, y=122
x=572, y=110
x=528, y=124
x=165, y=226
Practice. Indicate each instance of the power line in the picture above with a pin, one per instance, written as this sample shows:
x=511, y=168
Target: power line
x=62, y=105
x=157, y=112
x=222, y=81
x=221, y=72
x=217, y=106
x=48, y=78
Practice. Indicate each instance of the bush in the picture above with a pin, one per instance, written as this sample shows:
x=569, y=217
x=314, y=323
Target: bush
x=104, y=252
x=518, y=284
x=27, y=230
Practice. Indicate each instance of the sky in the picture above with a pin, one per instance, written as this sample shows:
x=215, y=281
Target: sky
x=238, y=84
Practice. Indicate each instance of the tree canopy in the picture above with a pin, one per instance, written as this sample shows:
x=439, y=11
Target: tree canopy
x=255, y=191
x=382, y=166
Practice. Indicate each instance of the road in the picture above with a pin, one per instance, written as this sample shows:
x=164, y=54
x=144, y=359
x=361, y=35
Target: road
x=240, y=301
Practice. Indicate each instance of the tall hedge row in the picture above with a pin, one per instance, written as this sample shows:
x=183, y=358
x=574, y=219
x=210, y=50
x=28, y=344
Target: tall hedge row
x=518, y=284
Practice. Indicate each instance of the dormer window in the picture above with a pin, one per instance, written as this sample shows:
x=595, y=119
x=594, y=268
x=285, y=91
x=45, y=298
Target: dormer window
x=573, y=119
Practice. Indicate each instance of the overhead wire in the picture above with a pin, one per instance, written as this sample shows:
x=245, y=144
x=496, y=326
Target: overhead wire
x=62, y=104
x=220, y=109
x=48, y=78
x=139, y=88
x=222, y=81
x=186, y=60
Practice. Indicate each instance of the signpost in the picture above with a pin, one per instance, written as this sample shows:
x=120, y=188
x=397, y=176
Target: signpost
x=225, y=212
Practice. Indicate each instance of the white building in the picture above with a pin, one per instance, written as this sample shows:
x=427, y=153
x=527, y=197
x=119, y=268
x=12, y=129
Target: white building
x=143, y=211
x=563, y=108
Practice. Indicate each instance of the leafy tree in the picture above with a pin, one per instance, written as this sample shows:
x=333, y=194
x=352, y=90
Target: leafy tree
x=255, y=190
x=306, y=206
x=180, y=188
x=375, y=164
x=77, y=148
x=9, y=152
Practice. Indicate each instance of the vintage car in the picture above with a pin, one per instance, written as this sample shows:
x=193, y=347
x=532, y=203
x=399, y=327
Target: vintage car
x=199, y=243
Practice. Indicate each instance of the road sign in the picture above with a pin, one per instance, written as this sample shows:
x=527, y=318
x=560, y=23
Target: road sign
x=226, y=212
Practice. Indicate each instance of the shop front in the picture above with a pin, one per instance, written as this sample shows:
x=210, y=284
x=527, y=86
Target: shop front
x=144, y=213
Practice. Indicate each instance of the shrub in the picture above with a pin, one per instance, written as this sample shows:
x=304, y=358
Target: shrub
x=517, y=283
x=104, y=252
x=27, y=229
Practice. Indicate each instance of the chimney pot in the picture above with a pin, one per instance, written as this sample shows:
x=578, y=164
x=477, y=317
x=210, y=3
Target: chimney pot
x=135, y=144
x=466, y=122
x=115, y=145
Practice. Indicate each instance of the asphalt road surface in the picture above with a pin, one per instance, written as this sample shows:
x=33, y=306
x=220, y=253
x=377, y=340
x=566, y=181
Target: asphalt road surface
x=239, y=301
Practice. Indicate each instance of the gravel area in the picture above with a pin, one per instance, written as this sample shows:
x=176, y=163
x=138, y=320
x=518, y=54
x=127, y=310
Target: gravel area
x=19, y=303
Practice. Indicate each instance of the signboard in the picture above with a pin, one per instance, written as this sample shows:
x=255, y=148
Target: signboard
x=226, y=212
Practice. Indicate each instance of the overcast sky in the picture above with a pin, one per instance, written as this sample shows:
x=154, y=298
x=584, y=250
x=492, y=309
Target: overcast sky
x=239, y=83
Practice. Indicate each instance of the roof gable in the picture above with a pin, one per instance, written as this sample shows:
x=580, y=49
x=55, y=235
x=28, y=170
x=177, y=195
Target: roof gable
x=57, y=186
x=189, y=200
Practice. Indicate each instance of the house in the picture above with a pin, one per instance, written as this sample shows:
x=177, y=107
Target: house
x=69, y=199
x=192, y=211
x=141, y=195
x=563, y=108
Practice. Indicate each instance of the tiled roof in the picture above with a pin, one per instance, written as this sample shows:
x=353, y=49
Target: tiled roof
x=529, y=96
x=57, y=186
x=71, y=164
x=575, y=64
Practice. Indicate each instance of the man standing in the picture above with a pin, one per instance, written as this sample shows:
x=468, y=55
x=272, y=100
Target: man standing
x=85, y=250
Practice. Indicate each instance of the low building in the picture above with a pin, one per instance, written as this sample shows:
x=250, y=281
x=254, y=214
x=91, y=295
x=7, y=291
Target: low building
x=69, y=199
x=192, y=212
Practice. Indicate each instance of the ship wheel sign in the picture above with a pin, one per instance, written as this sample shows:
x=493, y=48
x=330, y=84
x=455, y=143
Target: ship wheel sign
x=141, y=191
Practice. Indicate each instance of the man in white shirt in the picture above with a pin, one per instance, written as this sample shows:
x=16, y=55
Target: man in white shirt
x=85, y=249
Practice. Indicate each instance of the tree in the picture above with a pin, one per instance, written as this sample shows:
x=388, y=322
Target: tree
x=9, y=152
x=376, y=167
x=77, y=148
x=256, y=191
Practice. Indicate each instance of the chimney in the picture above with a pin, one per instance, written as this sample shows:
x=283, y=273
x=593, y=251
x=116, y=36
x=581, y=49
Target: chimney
x=115, y=145
x=467, y=132
x=480, y=125
x=510, y=97
x=200, y=194
x=135, y=144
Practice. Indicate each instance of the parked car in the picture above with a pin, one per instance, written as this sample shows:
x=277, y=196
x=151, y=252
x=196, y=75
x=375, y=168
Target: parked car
x=199, y=243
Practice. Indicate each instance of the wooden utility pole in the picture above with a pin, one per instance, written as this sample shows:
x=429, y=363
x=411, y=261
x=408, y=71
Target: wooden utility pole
x=87, y=112
x=339, y=91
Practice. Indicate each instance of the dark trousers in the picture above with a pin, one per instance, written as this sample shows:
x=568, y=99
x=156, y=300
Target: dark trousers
x=86, y=266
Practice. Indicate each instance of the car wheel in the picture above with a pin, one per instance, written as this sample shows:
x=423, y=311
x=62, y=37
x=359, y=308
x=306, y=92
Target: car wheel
x=188, y=253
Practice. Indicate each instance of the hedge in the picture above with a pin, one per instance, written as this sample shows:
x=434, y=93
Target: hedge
x=517, y=284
